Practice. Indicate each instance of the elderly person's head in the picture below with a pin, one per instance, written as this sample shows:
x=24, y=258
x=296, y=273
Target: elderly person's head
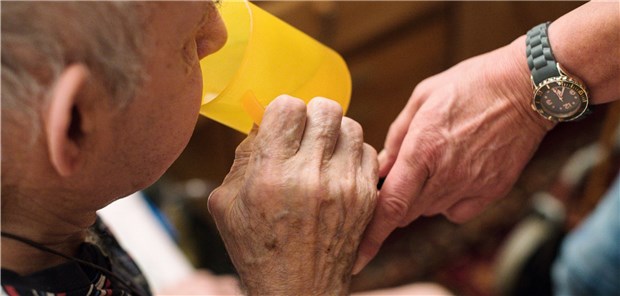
x=98, y=99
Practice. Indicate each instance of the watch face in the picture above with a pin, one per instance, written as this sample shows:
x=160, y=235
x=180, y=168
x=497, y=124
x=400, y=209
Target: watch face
x=560, y=99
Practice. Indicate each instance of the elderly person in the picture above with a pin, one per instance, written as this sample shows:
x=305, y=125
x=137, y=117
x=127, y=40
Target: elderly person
x=99, y=98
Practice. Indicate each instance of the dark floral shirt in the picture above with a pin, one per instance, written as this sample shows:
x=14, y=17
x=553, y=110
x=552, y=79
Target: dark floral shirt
x=73, y=278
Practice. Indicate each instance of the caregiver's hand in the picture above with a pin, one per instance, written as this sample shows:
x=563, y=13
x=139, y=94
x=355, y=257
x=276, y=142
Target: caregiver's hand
x=294, y=206
x=459, y=144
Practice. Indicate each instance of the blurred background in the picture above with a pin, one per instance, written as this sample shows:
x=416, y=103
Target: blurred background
x=390, y=47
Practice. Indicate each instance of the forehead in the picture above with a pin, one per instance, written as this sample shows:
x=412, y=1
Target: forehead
x=178, y=10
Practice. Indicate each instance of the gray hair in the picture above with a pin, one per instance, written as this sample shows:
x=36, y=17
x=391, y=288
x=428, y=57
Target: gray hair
x=39, y=39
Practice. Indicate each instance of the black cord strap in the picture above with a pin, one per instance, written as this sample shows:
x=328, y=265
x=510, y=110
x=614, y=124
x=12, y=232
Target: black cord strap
x=106, y=272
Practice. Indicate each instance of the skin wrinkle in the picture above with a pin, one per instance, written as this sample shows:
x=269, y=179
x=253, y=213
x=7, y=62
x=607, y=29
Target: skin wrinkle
x=396, y=208
x=339, y=207
x=433, y=137
x=318, y=264
x=474, y=167
x=258, y=258
x=314, y=238
x=346, y=216
x=472, y=127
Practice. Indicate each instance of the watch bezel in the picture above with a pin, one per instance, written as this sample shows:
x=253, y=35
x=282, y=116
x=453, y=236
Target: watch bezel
x=567, y=82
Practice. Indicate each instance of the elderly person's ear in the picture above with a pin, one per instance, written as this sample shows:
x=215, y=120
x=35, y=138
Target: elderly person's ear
x=65, y=120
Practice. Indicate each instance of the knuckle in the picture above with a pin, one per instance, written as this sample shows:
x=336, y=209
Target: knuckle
x=419, y=90
x=352, y=128
x=214, y=200
x=326, y=106
x=394, y=208
x=371, y=151
x=423, y=87
x=286, y=103
x=429, y=151
x=352, y=137
x=244, y=149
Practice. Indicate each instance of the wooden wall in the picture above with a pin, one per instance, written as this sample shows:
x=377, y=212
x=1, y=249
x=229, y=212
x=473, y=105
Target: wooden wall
x=389, y=47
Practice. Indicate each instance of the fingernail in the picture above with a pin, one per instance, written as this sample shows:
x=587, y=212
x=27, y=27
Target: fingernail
x=359, y=264
x=382, y=156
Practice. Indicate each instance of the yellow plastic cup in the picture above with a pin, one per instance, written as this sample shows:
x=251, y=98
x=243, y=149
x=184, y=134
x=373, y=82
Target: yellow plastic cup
x=263, y=58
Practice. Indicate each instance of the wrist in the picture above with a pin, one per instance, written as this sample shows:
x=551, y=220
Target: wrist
x=520, y=77
x=585, y=42
x=269, y=286
x=275, y=275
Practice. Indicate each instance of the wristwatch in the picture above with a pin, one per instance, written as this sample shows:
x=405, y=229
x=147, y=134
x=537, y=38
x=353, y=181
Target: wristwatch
x=558, y=96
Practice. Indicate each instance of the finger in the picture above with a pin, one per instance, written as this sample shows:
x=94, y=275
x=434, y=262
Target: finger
x=282, y=128
x=242, y=158
x=379, y=228
x=393, y=141
x=398, y=193
x=350, y=143
x=370, y=165
x=376, y=232
x=396, y=134
x=407, y=184
x=220, y=198
x=467, y=209
x=346, y=160
x=322, y=128
x=245, y=147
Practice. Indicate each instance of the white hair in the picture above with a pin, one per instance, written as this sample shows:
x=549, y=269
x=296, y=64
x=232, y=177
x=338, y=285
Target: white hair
x=40, y=39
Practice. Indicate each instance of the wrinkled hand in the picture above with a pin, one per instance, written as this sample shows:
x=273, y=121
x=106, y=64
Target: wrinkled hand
x=298, y=197
x=459, y=144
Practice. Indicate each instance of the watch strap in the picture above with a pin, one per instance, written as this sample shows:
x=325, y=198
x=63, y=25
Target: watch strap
x=540, y=58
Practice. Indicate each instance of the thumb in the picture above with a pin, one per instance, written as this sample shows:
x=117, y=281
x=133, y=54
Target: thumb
x=377, y=231
x=394, y=205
